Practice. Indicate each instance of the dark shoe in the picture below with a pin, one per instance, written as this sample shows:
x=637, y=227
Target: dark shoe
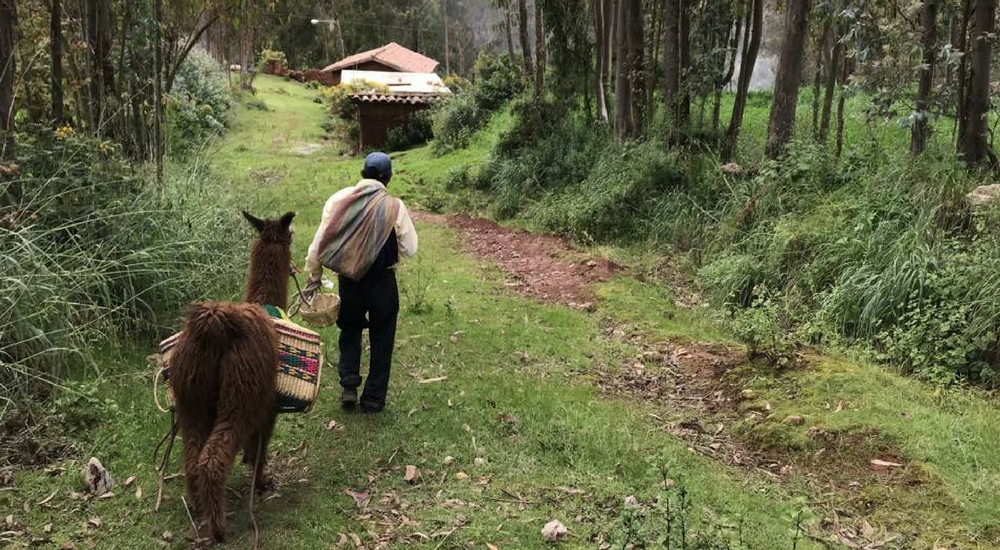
x=349, y=398
x=369, y=408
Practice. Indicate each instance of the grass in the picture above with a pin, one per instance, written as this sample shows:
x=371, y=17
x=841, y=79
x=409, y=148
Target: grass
x=518, y=395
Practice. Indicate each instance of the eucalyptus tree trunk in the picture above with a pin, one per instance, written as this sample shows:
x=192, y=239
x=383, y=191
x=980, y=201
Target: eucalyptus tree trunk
x=821, y=51
x=975, y=148
x=635, y=36
x=508, y=23
x=751, y=47
x=832, y=74
x=522, y=13
x=684, y=113
x=539, y=49
x=623, y=89
x=963, y=46
x=727, y=75
x=8, y=71
x=921, y=123
x=786, y=84
x=601, y=57
x=672, y=57
x=55, y=53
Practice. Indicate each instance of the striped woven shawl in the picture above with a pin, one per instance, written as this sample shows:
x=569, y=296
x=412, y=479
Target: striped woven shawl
x=359, y=227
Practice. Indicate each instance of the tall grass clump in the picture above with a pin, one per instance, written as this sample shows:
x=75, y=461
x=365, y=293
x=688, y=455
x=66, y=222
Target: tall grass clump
x=96, y=253
x=889, y=256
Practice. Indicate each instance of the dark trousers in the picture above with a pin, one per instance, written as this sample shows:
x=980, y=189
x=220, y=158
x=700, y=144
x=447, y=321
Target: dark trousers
x=376, y=297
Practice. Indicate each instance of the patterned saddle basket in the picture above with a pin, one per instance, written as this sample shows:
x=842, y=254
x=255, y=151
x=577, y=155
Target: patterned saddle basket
x=300, y=364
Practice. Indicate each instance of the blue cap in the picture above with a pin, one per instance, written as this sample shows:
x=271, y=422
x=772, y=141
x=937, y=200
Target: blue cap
x=377, y=166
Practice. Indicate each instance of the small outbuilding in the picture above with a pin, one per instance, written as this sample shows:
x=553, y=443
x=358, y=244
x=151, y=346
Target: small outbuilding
x=389, y=58
x=380, y=111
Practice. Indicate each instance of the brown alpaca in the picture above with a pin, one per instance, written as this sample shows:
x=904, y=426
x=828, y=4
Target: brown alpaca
x=223, y=374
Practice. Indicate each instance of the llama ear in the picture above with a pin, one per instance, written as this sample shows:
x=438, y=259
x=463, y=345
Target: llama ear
x=286, y=220
x=257, y=223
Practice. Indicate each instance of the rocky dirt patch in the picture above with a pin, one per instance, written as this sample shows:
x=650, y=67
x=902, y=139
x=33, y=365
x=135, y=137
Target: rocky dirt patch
x=543, y=267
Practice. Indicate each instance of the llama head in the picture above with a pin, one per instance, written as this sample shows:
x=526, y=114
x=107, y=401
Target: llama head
x=273, y=230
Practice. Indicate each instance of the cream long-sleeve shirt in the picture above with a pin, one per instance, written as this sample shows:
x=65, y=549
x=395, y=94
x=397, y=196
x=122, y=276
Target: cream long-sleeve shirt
x=406, y=235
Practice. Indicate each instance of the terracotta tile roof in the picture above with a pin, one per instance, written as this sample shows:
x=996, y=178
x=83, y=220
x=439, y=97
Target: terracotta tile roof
x=391, y=55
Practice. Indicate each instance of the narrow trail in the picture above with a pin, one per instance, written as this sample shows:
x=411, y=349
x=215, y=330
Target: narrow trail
x=697, y=385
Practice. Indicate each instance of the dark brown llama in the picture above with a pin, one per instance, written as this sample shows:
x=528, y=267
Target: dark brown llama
x=223, y=374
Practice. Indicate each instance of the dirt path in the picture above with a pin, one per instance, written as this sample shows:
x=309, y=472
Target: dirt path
x=697, y=384
x=544, y=267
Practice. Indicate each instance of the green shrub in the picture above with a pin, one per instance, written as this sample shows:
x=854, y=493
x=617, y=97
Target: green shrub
x=497, y=81
x=199, y=105
x=338, y=98
x=455, y=121
x=268, y=56
x=417, y=131
x=96, y=253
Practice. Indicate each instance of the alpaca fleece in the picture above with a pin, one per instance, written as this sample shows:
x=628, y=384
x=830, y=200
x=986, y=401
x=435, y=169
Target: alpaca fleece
x=223, y=375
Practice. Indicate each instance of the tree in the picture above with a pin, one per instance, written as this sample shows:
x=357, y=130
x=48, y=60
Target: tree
x=672, y=57
x=751, y=46
x=921, y=123
x=786, y=84
x=55, y=48
x=540, y=49
x=832, y=74
x=601, y=47
x=8, y=70
x=975, y=148
x=636, y=48
x=623, y=90
x=522, y=13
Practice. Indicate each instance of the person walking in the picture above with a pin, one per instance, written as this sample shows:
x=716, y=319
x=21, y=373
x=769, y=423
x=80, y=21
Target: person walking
x=362, y=235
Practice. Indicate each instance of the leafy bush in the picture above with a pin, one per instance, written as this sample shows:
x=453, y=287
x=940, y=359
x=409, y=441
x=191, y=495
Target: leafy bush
x=199, y=105
x=338, y=97
x=618, y=198
x=417, y=131
x=268, y=56
x=497, y=81
x=95, y=253
x=455, y=122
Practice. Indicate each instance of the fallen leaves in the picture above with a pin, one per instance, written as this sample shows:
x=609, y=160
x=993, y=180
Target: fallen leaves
x=95, y=522
x=360, y=498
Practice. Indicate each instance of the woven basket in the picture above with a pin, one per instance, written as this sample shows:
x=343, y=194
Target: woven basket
x=321, y=311
x=300, y=366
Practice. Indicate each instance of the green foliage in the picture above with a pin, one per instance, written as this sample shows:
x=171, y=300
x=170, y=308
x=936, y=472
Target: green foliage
x=81, y=406
x=338, y=98
x=497, y=81
x=96, y=252
x=759, y=327
x=200, y=104
x=268, y=56
x=417, y=131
